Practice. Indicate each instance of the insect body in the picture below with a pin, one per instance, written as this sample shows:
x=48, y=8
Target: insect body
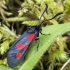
x=19, y=48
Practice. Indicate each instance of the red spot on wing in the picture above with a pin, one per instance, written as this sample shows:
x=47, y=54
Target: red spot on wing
x=31, y=37
x=20, y=46
x=18, y=55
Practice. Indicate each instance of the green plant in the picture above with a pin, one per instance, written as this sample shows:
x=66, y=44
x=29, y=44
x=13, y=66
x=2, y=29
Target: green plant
x=16, y=13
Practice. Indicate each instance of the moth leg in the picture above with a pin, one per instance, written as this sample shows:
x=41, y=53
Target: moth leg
x=38, y=41
x=43, y=34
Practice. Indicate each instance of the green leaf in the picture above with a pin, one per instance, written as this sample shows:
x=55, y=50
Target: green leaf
x=2, y=67
x=31, y=23
x=33, y=55
x=4, y=46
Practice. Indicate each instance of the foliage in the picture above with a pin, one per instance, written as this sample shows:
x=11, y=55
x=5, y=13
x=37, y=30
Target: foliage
x=17, y=15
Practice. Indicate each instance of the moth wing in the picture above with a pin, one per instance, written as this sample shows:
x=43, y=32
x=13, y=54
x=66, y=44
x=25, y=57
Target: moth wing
x=18, y=49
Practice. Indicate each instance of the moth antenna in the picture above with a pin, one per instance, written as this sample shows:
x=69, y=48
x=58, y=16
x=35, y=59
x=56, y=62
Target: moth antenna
x=44, y=11
x=53, y=16
x=56, y=15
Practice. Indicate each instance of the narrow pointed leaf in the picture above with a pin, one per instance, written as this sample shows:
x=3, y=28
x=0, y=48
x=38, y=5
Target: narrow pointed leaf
x=33, y=55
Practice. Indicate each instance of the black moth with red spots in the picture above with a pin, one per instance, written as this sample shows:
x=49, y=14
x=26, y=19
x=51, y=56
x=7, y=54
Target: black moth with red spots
x=19, y=48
